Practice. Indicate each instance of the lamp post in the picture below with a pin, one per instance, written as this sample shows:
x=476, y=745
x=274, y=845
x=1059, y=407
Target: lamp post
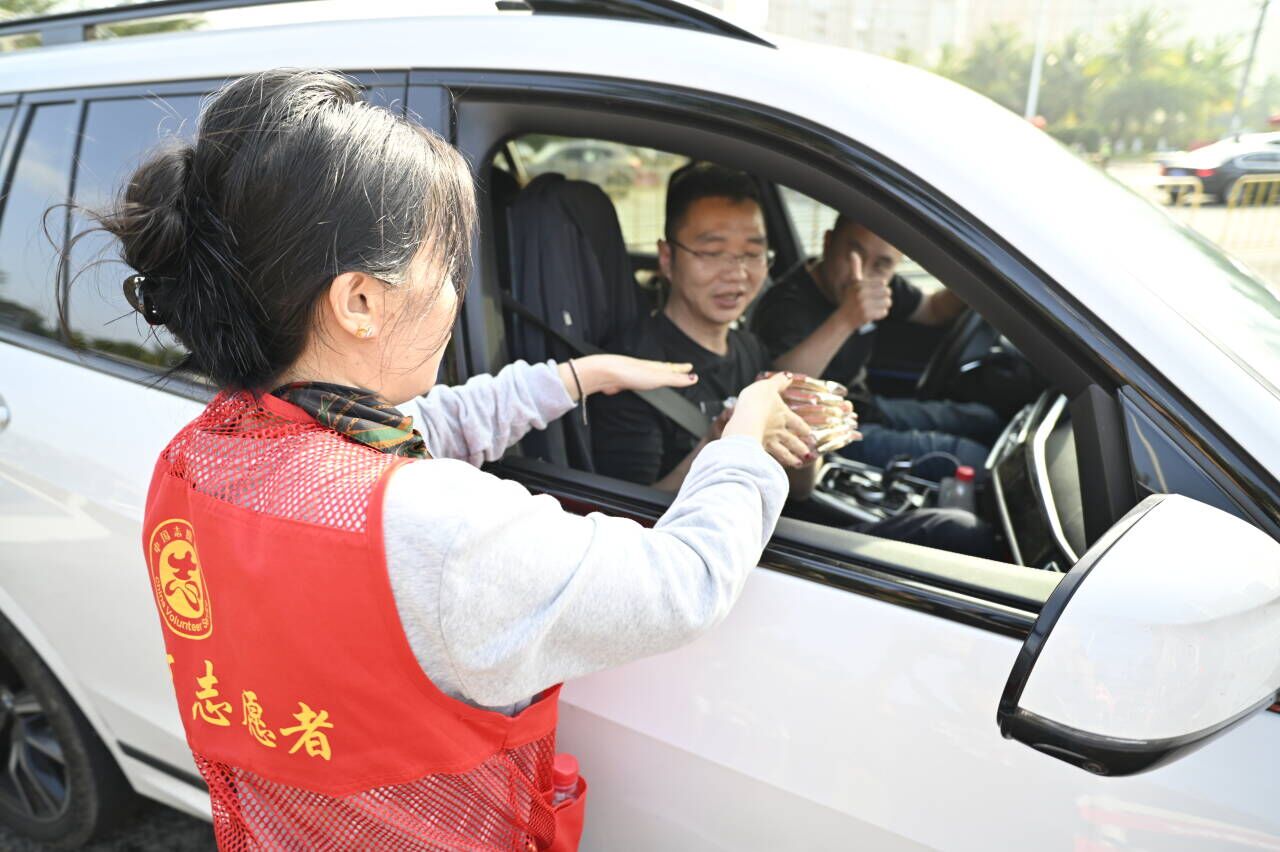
x=1037, y=61
x=1248, y=68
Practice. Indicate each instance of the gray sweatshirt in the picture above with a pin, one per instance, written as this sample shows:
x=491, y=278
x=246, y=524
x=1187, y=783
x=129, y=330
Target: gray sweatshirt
x=503, y=594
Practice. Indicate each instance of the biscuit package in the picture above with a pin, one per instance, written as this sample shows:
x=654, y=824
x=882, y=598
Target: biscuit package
x=823, y=406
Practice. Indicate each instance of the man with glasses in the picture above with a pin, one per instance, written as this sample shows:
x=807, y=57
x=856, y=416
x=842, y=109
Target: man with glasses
x=715, y=256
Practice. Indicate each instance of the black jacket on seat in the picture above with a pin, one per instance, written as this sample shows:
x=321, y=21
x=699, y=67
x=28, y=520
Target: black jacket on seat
x=569, y=266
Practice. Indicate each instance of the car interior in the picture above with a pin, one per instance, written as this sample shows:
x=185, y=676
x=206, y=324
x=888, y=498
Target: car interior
x=1031, y=491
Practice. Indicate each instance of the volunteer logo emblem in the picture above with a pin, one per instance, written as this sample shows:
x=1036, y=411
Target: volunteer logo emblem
x=178, y=581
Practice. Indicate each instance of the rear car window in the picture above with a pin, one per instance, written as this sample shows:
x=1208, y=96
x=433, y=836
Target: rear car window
x=118, y=136
x=28, y=257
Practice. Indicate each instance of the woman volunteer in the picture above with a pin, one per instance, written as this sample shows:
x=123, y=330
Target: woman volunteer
x=365, y=632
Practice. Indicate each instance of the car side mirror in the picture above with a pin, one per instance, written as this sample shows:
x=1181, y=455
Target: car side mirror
x=1164, y=635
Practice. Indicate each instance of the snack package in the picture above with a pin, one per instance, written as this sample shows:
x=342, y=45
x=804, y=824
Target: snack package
x=822, y=405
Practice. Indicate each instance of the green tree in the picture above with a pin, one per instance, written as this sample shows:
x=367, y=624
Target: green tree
x=998, y=66
x=1205, y=80
x=1264, y=103
x=1067, y=87
x=950, y=61
x=906, y=55
x=32, y=8
x=24, y=8
x=1134, y=75
x=1136, y=83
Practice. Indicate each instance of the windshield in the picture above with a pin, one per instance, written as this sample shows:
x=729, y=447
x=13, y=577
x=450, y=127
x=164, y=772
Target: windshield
x=1225, y=300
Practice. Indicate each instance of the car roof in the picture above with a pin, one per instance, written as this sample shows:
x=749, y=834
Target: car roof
x=1057, y=210
x=1247, y=143
x=1270, y=137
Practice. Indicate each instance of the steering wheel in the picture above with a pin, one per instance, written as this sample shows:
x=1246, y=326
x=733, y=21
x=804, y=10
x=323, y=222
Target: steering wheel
x=968, y=340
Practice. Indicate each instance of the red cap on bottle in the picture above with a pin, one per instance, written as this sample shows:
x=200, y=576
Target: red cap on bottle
x=564, y=770
x=964, y=473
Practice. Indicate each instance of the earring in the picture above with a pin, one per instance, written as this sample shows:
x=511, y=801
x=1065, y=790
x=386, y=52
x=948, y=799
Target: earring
x=364, y=331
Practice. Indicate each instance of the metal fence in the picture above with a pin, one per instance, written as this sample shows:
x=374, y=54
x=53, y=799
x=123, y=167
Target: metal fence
x=1253, y=214
x=1246, y=225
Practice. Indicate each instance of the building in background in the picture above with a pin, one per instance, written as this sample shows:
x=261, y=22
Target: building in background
x=921, y=28
x=889, y=27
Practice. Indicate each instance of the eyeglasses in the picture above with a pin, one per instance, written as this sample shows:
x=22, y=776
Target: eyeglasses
x=723, y=261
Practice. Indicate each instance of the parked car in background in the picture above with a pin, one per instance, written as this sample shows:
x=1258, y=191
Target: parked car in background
x=863, y=693
x=605, y=164
x=1220, y=166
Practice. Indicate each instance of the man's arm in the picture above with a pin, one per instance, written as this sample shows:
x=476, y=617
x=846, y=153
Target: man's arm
x=812, y=355
x=803, y=479
x=675, y=477
x=800, y=479
x=861, y=302
x=938, y=308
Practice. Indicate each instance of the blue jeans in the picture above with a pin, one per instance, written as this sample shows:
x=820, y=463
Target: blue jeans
x=911, y=427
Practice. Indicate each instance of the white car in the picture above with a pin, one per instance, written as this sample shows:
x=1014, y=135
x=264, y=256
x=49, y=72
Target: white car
x=863, y=694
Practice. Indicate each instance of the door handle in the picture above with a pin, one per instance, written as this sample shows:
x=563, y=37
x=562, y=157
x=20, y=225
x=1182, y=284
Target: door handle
x=4, y=414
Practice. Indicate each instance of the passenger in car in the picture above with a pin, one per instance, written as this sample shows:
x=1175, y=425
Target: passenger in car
x=821, y=320
x=715, y=257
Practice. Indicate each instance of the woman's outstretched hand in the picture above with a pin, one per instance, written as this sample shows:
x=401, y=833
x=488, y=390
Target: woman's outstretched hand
x=762, y=414
x=611, y=374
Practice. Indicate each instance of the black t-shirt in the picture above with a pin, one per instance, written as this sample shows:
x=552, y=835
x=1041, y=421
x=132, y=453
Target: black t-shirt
x=794, y=307
x=630, y=439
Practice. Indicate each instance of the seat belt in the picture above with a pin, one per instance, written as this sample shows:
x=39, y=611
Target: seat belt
x=669, y=404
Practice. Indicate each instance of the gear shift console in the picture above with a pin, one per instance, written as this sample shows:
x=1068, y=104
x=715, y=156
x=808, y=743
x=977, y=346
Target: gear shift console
x=868, y=493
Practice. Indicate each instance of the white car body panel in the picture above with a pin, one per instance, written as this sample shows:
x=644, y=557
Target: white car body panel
x=814, y=718
x=72, y=571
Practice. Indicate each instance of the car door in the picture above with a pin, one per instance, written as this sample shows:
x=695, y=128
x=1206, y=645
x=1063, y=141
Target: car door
x=1261, y=163
x=849, y=699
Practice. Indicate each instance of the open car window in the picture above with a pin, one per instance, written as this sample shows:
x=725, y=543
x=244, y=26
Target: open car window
x=852, y=496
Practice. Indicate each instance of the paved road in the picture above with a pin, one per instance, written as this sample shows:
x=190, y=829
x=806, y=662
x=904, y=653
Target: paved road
x=1250, y=234
x=155, y=828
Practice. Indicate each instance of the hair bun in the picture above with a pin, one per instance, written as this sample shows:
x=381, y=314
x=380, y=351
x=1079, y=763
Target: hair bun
x=152, y=221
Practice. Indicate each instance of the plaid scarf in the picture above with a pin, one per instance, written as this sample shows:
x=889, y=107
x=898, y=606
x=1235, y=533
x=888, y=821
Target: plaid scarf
x=361, y=415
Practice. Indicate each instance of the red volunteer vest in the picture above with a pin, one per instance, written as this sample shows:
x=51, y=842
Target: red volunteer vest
x=308, y=715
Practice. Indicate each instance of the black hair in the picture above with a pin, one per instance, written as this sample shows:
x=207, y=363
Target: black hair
x=697, y=181
x=292, y=179
x=844, y=220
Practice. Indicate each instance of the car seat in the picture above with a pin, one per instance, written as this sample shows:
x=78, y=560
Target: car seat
x=569, y=269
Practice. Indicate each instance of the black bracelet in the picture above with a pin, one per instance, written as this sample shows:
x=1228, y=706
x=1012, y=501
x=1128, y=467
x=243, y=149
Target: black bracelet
x=582, y=398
